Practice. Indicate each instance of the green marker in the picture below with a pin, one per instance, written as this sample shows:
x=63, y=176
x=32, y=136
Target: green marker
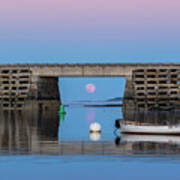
x=62, y=113
x=61, y=116
x=62, y=110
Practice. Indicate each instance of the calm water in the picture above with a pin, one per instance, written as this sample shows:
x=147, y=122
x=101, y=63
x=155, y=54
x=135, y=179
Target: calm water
x=42, y=145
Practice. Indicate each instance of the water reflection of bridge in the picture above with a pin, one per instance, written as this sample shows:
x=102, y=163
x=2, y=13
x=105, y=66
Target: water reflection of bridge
x=24, y=129
x=35, y=131
x=156, y=117
x=53, y=147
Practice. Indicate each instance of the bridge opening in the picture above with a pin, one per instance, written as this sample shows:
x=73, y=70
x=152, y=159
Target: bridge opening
x=91, y=88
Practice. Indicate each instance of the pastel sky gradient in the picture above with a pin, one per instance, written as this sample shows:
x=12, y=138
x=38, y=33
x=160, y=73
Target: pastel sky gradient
x=89, y=30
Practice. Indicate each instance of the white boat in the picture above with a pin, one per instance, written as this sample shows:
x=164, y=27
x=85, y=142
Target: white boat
x=146, y=128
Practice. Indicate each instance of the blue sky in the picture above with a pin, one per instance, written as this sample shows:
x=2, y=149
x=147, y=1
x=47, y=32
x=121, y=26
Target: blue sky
x=89, y=31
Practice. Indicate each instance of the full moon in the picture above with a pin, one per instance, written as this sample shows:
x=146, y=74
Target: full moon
x=90, y=88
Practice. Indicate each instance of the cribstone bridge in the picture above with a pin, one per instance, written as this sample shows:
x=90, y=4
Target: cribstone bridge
x=148, y=86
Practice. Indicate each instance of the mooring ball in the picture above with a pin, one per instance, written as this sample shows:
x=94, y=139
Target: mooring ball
x=95, y=127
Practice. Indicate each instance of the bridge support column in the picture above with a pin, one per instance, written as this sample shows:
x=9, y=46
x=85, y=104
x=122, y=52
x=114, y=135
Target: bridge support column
x=128, y=103
x=44, y=88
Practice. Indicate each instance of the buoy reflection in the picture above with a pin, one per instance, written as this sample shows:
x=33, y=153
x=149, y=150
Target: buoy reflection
x=95, y=136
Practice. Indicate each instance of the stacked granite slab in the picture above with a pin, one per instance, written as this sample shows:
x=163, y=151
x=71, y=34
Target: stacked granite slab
x=156, y=88
x=14, y=86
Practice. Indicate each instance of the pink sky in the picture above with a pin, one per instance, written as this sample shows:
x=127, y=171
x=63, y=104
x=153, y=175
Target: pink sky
x=20, y=13
x=97, y=23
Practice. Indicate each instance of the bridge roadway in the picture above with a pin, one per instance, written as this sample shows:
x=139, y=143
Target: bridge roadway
x=87, y=69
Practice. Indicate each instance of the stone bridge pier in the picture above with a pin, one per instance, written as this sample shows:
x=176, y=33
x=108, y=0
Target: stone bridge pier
x=148, y=86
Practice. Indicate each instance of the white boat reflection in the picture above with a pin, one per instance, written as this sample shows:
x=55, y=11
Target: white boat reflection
x=168, y=139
